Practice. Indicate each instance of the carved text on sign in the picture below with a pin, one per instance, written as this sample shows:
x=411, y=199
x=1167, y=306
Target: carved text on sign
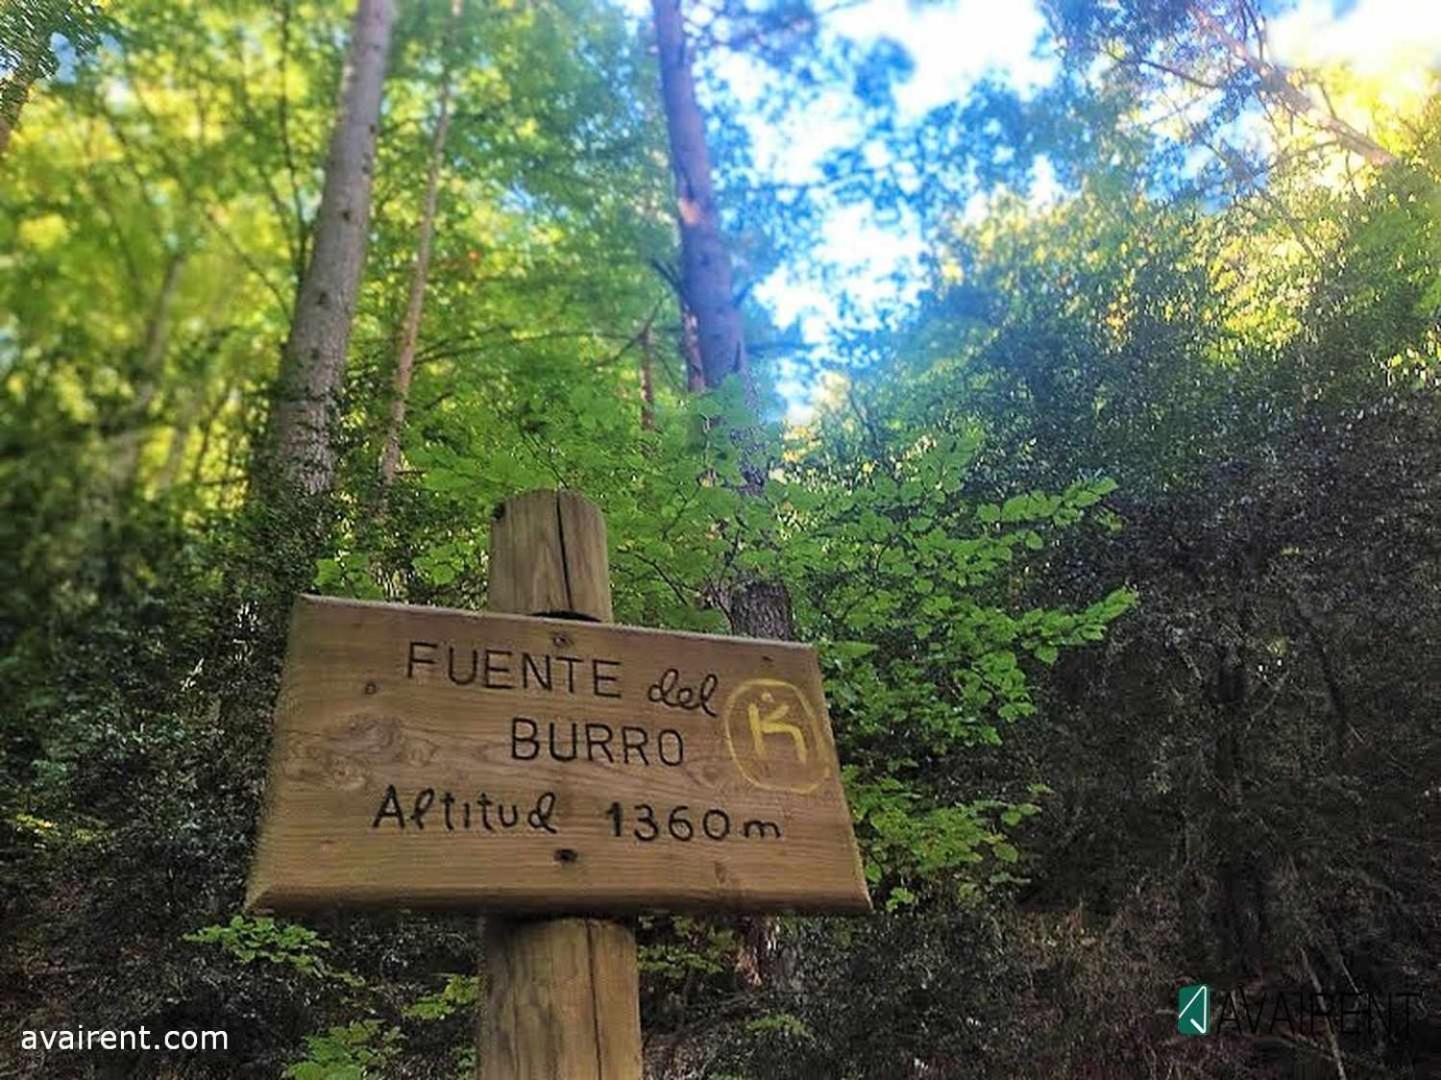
x=431, y=757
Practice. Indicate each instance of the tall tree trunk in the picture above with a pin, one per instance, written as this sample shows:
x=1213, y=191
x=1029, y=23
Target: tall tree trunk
x=415, y=303
x=14, y=92
x=125, y=450
x=302, y=454
x=759, y=609
x=690, y=349
x=705, y=264
x=713, y=334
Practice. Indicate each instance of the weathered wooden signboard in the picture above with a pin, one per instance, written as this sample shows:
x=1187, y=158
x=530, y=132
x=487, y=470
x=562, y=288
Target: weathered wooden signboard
x=428, y=757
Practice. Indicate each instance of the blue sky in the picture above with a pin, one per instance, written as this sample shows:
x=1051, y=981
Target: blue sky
x=951, y=46
x=952, y=43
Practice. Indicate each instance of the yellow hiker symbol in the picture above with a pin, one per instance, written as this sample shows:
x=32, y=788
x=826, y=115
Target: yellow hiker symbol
x=774, y=736
x=774, y=723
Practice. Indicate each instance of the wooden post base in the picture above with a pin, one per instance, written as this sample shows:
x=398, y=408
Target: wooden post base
x=562, y=996
x=561, y=1001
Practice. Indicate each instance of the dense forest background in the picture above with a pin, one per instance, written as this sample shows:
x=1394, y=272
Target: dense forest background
x=1120, y=543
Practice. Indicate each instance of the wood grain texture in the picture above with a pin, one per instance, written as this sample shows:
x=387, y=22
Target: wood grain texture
x=563, y=995
x=561, y=1001
x=381, y=698
x=550, y=548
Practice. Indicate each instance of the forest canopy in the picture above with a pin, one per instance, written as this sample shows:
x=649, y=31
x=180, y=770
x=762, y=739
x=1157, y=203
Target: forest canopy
x=1111, y=510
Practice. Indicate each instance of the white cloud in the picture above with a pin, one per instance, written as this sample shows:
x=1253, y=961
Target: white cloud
x=1395, y=44
x=952, y=44
x=1375, y=36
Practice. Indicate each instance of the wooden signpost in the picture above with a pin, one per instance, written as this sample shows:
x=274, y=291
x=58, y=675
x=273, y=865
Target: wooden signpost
x=424, y=757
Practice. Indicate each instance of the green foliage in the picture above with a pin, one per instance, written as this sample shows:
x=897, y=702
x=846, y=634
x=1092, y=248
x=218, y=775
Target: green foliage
x=286, y=944
x=905, y=581
x=1118, y=548
x=30, y=30
x=459, y=992
x=687, y=967
x=781, y=1024
x=365, y=1048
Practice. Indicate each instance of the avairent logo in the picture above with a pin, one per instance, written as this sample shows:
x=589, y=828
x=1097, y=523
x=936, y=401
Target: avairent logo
x=1193, y=1009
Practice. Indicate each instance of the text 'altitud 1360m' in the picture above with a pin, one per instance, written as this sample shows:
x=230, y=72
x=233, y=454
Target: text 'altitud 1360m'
x=439, y=758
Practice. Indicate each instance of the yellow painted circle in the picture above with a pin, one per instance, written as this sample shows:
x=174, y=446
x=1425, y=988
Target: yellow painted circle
x=753, y=725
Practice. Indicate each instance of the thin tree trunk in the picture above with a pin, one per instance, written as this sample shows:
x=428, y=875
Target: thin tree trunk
x=149, y=374
x=14, y=93
x=1276, y=82
x=179, y=443
x=207, y=430
x=302, y=455
x=415, y=304
x=705, y=263
x=1336, y=1055
x=1240, y=870
x=647, y=376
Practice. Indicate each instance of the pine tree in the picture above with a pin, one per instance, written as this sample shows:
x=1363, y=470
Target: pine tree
x=302, y=450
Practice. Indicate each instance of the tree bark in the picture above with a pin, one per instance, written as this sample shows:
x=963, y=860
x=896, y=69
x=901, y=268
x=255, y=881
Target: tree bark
x=14, y=93
x=1276, y=82
x=713, y=341
x=149, y=374
x=415, y=303
x=705, y=264
x=313, y=365
x=647, y=377
x=690, y=350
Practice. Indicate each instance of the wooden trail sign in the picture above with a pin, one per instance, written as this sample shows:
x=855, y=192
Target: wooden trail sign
x=522, y=764
x=429, y=757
